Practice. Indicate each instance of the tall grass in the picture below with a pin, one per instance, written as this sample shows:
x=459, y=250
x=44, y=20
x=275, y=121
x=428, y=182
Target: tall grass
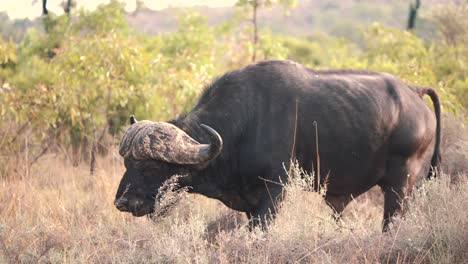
x=62, y=214
x=55, y=212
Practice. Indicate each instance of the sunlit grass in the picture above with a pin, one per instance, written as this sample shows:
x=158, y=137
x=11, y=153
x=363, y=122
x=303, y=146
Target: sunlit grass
x=60, y=213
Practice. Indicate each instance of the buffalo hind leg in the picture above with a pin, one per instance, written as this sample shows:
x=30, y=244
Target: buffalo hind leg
x=394, y=197
x=337, y=203
x=396, y=185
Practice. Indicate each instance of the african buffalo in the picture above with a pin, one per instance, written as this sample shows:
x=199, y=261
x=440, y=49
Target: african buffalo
x=370, y=128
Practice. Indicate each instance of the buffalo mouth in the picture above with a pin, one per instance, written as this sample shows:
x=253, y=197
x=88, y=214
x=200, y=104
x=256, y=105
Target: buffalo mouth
x=137, y=207
x=138, y=212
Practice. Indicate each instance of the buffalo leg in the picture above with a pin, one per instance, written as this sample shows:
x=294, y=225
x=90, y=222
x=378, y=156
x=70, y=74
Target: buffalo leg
x=337, y=203
x=392, y=206
x=266, y=211
x=396, y=185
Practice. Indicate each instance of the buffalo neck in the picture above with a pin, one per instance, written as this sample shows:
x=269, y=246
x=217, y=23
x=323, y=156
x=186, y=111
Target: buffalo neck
x=222, y=171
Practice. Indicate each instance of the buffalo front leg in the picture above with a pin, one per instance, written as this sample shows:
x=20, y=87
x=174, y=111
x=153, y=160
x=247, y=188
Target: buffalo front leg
x=337, y=203
x=262, y=214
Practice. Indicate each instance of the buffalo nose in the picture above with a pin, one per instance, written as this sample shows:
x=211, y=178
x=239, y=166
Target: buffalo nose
x=121, y=203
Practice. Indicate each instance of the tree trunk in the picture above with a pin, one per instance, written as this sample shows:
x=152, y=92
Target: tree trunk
x=44, y=7
x=67, y=7
x=255, y=26
x=413, y=12
x=92, y=164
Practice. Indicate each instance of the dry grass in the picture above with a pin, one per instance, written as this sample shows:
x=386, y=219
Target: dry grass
x=62, y=214
x=54, y=212
x=454, y=145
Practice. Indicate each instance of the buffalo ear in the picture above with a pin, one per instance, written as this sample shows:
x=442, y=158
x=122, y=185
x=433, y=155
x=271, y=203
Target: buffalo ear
x=132, y=120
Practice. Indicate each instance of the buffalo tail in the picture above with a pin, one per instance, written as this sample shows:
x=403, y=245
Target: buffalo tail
x=436, y=158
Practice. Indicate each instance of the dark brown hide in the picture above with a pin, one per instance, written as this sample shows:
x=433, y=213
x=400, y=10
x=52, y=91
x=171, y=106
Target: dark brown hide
x=353, y=129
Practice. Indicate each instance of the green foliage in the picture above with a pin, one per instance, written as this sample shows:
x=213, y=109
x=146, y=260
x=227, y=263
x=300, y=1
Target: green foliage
x=185, y=61
x=8, y=59
x=321, y=51
x=409, y=58
x=394, y=51
x=264, y=45
x=398, y=52
x=8, y=55
x=105, y=18
x=78, y=76
x=403, y=54
x=271, y=47
x=100, y=72
x=91, y=70
x=451, y=54
x=99, y=76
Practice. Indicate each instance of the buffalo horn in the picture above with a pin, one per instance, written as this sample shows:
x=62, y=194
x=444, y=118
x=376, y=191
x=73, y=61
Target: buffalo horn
x=166, y=142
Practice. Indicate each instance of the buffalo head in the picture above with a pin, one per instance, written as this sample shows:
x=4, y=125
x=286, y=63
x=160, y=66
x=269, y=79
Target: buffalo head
x=153, y=152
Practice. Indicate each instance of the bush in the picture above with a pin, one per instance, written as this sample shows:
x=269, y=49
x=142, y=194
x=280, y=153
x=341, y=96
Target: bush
x=85, y=76
x=91, y=72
